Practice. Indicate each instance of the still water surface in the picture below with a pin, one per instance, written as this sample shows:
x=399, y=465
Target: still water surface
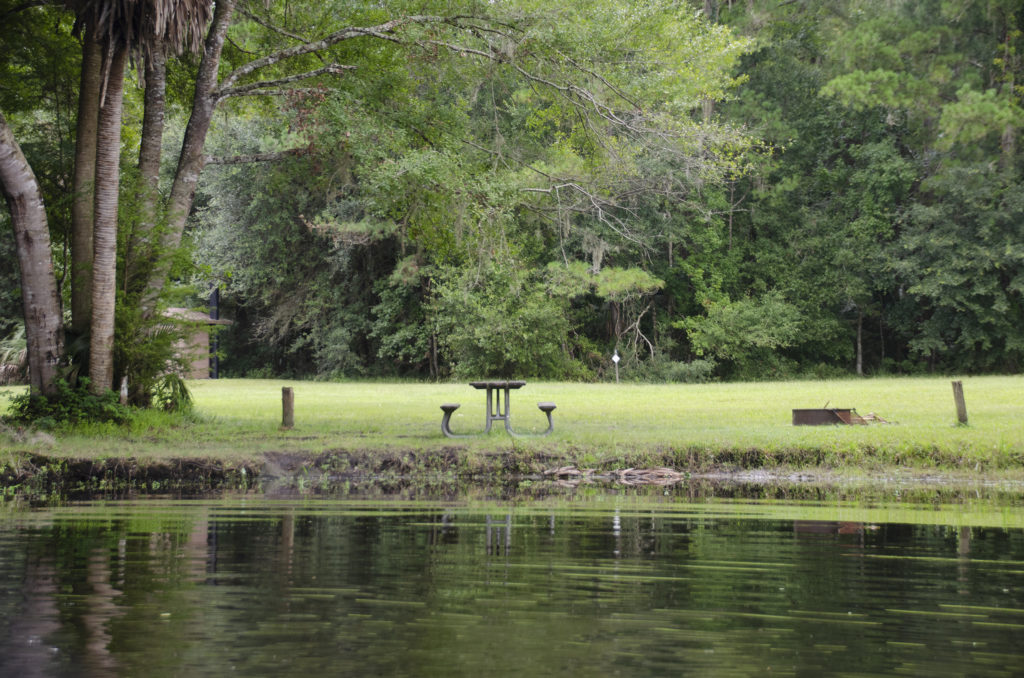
x=603, y=584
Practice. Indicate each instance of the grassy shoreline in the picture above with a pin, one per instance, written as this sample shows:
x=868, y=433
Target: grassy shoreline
x=375, y=428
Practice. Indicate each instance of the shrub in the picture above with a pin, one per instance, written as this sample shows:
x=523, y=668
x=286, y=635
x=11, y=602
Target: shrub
x=145, y=351
x=14, y=357
x=501, y=323
x=171, y=394
x=662, y=369
x=70, y=405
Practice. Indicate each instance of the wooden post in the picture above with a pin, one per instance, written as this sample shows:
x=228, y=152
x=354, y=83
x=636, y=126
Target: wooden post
x=961, y=406
x=287, y=408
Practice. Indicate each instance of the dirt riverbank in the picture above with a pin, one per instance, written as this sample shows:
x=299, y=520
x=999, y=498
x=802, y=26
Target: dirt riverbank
x=53, y=474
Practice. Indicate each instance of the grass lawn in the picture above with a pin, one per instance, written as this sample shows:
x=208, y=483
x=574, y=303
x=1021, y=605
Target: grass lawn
x=239, y=419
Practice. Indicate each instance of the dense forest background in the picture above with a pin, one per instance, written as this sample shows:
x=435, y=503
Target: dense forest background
x=777, y=189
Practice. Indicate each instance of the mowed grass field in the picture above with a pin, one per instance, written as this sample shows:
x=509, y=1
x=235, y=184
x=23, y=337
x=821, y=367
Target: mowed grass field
x=240, y=418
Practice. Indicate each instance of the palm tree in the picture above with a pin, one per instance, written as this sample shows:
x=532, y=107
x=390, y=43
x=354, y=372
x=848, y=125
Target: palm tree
x=120, y=27
x=113, y=29
x=185, y=33
x=85, y=172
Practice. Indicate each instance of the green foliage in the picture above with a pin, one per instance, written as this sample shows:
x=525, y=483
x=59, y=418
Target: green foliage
x=626, y=284
x=172, y=395
x=402, y=326
x=307, y=314
x=976, y=116
x=146, y=350
x=496, y=322
x=965, y=270
x=10, y=283
x=70, y=405
x=13, y=356
x=744, y=332
x=663, y=370
x=413, y=234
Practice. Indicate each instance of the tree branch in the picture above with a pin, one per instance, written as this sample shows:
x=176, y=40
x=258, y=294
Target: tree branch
x=27, y=5
x=271, y=27
x=256, y=157
x=461, y=49
x=381, y=31
x=622, y=95
x=238, y=47
x=589, y=202
x=287, y=92
x=243, y=90
x=637, y=333
x=578, y=96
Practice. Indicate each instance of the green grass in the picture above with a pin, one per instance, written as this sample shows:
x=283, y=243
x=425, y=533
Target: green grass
x=240, y=419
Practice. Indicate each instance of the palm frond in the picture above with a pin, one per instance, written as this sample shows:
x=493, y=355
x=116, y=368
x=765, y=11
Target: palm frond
x=144, y=25
x=13, y=357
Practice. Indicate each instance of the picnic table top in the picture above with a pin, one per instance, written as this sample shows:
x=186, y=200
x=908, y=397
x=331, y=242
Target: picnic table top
x=497, y=384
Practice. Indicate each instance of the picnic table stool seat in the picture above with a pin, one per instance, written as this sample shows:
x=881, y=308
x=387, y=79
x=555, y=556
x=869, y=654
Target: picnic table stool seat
x=546, y=407
x=448, y=409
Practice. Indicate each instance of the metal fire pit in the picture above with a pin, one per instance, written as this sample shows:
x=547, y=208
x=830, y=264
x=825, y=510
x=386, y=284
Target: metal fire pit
x=823, y=416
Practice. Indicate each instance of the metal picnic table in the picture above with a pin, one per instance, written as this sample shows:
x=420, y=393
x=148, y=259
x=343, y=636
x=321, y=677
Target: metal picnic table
x=498, y=408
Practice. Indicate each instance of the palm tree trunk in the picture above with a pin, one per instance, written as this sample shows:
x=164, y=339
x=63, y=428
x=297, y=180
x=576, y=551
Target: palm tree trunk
x=85, y=172
x=139, y=251
x=192, y=158
x=104, y=272
x=44, y=332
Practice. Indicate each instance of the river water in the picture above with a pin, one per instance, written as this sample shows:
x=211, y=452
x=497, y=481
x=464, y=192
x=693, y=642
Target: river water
x=595, y=582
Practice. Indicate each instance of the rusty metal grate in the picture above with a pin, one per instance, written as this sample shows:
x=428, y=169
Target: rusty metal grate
x=824, y=416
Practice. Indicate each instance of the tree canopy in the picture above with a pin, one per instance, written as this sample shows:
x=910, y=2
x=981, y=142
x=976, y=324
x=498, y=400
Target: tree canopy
x=716, y=189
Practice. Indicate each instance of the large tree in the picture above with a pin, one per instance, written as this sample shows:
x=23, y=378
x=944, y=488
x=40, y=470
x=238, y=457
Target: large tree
x=118, y=28
x=111, y=30
x=44, y=332
x=545, y=135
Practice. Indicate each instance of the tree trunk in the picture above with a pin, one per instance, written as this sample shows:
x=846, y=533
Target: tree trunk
x=1008, y=144
x=860, y=343
x=192, y=158
x=139, y=251
x=44, y=333
x=881, y=339
x=104, y=273
x=85, y=172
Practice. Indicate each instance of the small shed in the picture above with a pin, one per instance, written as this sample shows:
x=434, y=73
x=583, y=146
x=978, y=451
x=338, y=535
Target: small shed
x=196, y=350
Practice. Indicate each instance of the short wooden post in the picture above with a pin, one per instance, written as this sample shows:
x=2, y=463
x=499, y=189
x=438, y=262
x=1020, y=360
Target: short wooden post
x=287, y=408
x=961, y=406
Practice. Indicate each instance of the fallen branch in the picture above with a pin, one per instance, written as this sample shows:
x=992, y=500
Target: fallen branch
x=629, y=476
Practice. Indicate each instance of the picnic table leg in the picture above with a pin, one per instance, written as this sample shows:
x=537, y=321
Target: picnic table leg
x=489, y=411
x=546, y=409
x=508, y=414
